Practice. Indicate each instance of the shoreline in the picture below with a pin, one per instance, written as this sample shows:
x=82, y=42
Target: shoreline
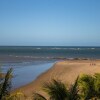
x=21, y=59
x=38, y=77
x=66, y=71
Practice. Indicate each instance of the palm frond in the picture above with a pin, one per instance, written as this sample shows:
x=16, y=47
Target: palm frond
x=37, y=96
x=73, y=91
x=5, y=86
x=56, y=90
x=86, y=84
x=97, y=84
x=86, y=87
x=97, y=75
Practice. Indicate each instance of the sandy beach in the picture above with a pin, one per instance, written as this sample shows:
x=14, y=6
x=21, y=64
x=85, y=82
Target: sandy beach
x=66, y=71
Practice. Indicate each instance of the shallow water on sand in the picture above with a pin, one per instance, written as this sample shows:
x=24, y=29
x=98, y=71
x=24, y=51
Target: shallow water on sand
x=26, y=72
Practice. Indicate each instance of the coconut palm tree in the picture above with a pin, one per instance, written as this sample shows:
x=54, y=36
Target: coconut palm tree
x=58, y=91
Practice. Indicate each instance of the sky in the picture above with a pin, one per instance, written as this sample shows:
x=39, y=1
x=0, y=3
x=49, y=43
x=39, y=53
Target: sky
x=50, y=22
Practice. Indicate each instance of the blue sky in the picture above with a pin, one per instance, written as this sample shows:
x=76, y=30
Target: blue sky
x=50, y=22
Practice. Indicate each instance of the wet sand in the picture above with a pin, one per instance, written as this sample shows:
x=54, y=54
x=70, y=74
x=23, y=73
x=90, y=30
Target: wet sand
x=66, y=71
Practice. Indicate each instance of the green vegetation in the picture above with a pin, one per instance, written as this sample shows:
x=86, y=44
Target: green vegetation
x=5, y=85
x=58, y=91
x=89, y=87
x=85, y=87
x=5, y=88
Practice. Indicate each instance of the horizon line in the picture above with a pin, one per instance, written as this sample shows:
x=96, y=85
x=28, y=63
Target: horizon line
x=44, y=46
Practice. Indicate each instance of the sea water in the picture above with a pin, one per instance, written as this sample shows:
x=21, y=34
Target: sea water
x=28, y=62
x=20, y=53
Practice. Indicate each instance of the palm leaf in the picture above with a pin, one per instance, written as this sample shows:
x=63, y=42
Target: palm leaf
x=5, y=86
x=73, y=91
x=56, y=90
x=86, y=82
x=97, y=84
x=37, y=96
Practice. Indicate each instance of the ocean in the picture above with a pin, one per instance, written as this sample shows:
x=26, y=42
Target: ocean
x=28, y=62
x=30, y=53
